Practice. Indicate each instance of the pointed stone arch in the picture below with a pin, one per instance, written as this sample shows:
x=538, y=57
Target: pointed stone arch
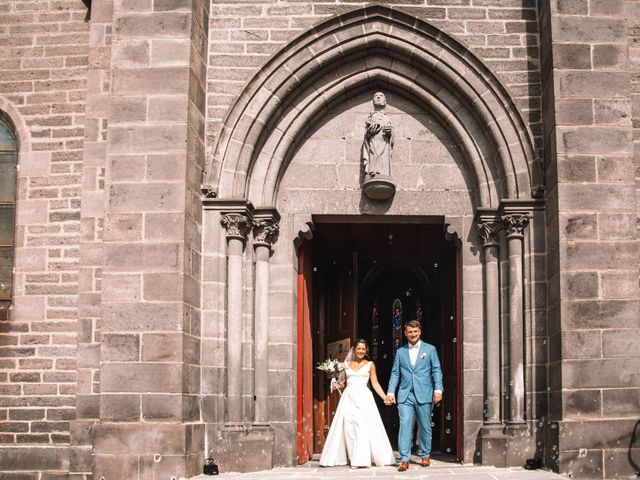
x=9, y=112
x=372, y=47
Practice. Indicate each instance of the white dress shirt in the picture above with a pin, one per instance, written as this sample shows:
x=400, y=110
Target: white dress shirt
x=413, y=352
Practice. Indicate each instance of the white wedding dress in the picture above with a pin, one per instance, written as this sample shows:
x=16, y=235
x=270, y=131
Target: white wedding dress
x=357, y=435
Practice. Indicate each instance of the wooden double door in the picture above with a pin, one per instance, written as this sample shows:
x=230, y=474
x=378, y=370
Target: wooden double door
x=365, y=281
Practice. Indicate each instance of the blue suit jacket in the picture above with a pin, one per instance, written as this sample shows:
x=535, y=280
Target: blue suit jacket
x=424, y=377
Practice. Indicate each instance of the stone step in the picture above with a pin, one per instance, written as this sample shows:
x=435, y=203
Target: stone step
x=439, y=470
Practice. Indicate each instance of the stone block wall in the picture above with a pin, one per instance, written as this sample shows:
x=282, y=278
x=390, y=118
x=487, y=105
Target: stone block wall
x=91, y=236
x=43, y=64
x=150, y=291
x=632, y=14
x=116, y=119
x=53, y=387
x=592, y=236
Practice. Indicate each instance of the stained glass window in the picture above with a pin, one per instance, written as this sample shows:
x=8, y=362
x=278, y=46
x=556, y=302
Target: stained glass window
x=8, y=157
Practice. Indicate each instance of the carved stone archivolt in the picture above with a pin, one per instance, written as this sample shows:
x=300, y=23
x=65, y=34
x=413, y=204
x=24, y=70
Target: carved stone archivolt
x=514, y=224
x=237, y=225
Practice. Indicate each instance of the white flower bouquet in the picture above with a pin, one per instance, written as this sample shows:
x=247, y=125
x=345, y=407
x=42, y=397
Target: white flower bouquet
x=333, y=368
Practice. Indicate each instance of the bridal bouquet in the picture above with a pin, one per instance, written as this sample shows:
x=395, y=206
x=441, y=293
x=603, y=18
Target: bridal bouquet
x=333, y=368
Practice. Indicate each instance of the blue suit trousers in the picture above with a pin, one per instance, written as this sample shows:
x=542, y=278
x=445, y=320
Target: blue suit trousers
x=406, y=410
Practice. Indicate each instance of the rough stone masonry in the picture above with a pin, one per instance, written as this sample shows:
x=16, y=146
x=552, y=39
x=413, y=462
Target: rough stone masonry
x=143, y=335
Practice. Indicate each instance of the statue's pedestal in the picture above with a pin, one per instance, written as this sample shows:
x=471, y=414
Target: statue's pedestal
x=379, y=188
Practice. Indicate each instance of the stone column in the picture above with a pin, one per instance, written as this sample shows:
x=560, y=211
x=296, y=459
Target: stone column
x=514, y=225
x=489, y=231
x=237, y=226
x=148, y=318
x=265, y=231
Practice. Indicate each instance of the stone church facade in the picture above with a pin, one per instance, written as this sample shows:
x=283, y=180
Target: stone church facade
x=184, y=168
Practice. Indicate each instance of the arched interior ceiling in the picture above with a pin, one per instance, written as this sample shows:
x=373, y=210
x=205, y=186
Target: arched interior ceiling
x=372, y=48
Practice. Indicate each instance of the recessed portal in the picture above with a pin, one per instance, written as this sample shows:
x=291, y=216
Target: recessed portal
x=367, y=278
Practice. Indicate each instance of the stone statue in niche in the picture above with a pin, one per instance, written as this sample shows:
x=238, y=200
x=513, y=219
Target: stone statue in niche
x=376, y=151
x=378, y=139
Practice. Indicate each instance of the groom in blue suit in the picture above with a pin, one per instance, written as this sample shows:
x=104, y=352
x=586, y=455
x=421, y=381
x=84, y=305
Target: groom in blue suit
x=416, y=369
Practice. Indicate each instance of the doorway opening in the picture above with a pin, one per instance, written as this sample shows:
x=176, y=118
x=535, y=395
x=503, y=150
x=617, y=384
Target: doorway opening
x=364, y=277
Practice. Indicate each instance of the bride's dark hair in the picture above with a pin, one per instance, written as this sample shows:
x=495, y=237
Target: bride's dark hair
x=357, y=342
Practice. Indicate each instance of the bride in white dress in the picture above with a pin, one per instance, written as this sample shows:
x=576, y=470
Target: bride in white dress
x=357, y=435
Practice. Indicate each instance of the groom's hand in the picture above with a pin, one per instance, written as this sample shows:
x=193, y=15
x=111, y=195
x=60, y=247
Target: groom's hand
x=437, y=397
x=391, y=399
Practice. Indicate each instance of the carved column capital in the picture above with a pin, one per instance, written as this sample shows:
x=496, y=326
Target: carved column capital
x=265, y=231
x=514, y=224
x=237, y=225
x=489, y=231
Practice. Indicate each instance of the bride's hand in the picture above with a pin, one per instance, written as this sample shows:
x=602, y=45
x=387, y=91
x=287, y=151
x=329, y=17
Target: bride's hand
x=335, y=385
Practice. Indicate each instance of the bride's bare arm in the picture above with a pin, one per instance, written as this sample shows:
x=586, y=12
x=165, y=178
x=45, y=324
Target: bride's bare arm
x=374, y=382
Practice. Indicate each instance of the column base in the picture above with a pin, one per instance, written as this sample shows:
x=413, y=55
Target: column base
x=506, y=445
x=141, y=451
x=493, y=446
x=243, y=447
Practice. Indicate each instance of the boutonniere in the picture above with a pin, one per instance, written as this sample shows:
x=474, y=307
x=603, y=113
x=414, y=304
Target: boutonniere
x=423, y=356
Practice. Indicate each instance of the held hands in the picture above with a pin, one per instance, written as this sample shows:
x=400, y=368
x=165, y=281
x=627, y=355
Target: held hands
x=391, y=399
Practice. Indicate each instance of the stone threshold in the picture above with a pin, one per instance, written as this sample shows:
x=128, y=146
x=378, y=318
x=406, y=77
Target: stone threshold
x=440, y=470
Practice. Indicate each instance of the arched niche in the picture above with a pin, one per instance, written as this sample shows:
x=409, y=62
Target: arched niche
x=323, y=173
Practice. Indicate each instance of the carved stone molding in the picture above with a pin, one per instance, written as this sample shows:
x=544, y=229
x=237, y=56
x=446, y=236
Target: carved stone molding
x=265, y=226
x=237, y=225
x=208, y=191
x=265, y=231
x=514, y=224
x=399, y=31
x=489, y=231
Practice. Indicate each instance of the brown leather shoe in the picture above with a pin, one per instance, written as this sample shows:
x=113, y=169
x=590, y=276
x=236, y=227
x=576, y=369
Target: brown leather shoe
x=404, y=466
x=425, y=462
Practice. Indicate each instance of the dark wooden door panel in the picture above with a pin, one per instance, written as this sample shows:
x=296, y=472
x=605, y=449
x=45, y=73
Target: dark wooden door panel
x=448, y=413
x=336, y=311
